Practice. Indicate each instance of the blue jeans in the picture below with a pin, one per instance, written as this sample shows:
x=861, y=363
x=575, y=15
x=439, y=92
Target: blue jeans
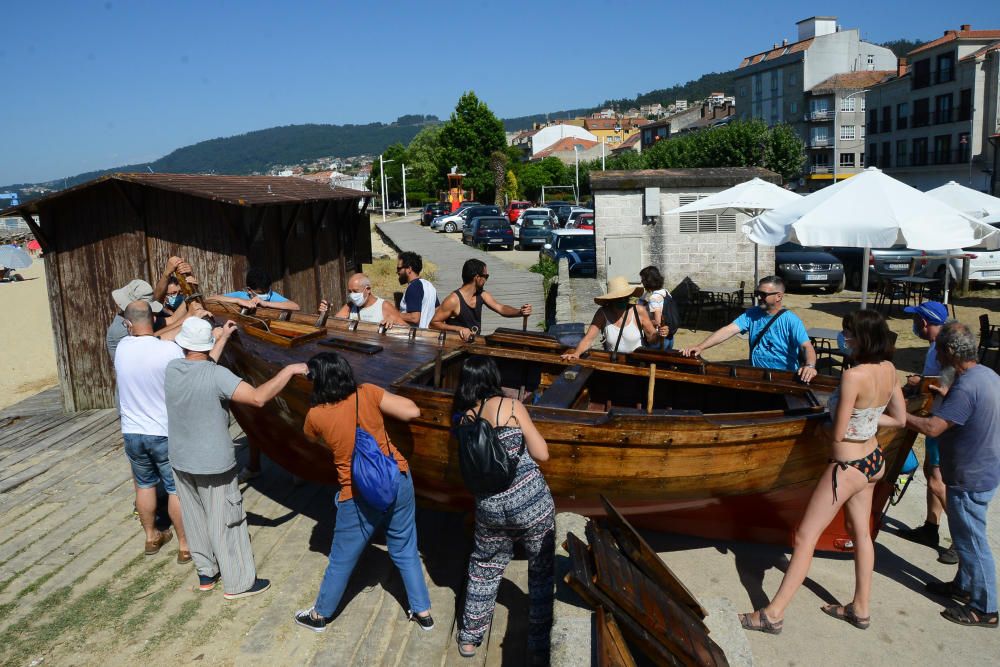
x=976, y=570
x=356, y=523
x=147, y=454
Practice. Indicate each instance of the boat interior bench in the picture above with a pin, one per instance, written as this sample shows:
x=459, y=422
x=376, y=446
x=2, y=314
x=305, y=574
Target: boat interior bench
x=565, y=389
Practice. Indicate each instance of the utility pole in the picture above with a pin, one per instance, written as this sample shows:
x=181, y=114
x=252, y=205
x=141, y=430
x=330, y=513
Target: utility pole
x=381, y=183
x=576, y=152
x=404, y=189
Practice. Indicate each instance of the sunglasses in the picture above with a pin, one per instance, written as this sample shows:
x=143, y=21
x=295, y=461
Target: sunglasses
x=765, y=294
x=484, y=276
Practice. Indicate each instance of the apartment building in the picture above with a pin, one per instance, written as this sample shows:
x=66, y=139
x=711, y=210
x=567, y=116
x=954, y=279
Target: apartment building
x=777, y=85
x=932, y=122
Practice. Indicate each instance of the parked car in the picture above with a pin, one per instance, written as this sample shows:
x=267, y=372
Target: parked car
x=433, y=210
x=456, y=221
x=532, y=231
x=893, y=262
x=542, y=210
x=584, y=221
x=561, y=209
x=984, y=265
x=515, y=210
x=575, y=213
x=489, y=230
x=808, y=267
x=577, y=246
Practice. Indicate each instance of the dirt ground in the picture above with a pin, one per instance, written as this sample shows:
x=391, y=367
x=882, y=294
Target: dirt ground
x=28, y=359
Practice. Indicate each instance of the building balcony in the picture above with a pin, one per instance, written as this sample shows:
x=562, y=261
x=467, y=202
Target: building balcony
x=820, y=169
x=942, y=116
x=933, y=158
x=820, y=114
x=820, y=142
x=944, y=75
x=921, y=119
x=886, y=125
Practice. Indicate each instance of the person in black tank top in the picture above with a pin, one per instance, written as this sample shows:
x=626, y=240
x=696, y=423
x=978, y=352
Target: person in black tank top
x=455, y=314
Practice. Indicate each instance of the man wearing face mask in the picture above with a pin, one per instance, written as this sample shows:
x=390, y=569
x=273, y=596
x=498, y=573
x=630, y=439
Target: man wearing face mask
x=365, y=306
x=257, y=293
x=462, y=310
x=928, y=320
x=777, y=336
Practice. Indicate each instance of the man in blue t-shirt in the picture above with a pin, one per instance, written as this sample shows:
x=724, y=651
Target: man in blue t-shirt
x=258, y=292
x=967, y=425
x=777, y=337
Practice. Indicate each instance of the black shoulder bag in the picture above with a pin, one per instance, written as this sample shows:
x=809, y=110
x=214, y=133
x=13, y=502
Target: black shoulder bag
x=487, y=468
x=760, y=336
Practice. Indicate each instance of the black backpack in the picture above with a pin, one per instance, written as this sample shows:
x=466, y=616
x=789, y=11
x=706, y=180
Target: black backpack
x=487, y=468
x=671, y=315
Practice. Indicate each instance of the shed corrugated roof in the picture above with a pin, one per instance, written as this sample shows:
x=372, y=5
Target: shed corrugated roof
x=236, y=190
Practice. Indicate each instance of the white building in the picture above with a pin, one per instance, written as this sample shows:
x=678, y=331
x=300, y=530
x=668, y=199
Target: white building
x=547, y=136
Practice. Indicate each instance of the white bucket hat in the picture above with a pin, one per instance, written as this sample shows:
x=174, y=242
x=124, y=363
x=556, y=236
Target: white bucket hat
x=195, y=335
x=137, y=290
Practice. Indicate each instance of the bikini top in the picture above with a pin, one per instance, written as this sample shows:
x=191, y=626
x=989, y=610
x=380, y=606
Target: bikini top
x=863, y=424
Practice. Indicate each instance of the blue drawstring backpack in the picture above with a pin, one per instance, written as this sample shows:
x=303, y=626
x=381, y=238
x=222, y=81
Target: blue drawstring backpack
x=374, y=474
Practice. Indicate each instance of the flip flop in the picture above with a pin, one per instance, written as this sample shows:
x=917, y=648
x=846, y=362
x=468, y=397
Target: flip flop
x=970, y=616
x=762, y=624
x=846, y=613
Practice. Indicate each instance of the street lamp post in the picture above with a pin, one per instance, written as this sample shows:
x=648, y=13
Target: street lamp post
x=404, y=189
x=384, y=181
x=836, y=131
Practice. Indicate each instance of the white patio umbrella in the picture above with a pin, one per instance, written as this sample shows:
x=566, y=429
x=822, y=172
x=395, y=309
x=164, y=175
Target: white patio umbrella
x=973, y=203
x=870, y=210
x=750, y=198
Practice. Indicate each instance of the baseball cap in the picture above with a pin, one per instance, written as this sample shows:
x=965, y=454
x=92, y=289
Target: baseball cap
x=137, y=290
x=934, y=312
x=195, y=335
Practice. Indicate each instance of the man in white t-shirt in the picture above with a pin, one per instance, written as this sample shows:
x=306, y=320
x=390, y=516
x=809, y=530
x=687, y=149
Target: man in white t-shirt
x=140, y=363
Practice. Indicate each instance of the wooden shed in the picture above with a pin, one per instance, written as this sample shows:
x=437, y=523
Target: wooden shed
x=100, y=235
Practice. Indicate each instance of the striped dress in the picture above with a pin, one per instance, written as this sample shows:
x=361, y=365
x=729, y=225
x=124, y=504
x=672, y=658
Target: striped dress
x=523, y=513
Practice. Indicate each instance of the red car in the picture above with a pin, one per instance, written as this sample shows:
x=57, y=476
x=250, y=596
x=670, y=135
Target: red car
x=514, y=209
x=584, y=221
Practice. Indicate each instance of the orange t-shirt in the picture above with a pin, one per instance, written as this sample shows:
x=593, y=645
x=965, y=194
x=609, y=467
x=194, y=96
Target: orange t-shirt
x=333, y=423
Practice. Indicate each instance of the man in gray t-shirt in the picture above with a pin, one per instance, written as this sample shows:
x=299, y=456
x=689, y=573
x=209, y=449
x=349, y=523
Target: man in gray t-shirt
x=968, y=427
x=201, y=451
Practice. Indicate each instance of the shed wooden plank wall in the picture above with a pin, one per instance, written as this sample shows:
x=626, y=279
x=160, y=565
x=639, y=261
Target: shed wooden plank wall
x=114, y=232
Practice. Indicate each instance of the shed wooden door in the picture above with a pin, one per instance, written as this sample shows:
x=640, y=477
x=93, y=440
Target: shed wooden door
x=623, y=257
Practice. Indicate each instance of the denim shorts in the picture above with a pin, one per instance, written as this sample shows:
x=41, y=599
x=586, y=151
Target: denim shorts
x=150, y=462
x=932, y=454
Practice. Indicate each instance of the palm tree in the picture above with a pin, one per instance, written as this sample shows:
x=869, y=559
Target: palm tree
x=498, y=165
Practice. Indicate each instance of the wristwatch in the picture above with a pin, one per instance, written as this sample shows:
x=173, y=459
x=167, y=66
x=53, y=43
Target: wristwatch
x=813, y=366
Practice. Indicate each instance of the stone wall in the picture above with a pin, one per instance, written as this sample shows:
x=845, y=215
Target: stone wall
x=708, y=259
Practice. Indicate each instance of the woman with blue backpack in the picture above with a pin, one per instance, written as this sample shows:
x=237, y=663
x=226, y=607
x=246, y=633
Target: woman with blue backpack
x=376, y=489
x=499, y=445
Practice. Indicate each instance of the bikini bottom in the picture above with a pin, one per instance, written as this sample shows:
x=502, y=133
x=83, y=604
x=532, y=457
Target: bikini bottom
x=869, y=466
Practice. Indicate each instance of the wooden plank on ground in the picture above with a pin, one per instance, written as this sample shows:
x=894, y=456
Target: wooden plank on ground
x=611, y=648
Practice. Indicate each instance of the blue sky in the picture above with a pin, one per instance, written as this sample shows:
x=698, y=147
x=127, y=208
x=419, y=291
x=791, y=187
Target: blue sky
x=95, y=84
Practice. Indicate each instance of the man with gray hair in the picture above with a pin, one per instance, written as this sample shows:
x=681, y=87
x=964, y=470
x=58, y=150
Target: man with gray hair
x=967, y=425
x=777, y=336
x=365, y=306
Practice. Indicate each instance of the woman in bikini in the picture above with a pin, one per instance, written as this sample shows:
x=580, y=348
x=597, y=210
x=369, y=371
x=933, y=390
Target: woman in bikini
x=869, y=396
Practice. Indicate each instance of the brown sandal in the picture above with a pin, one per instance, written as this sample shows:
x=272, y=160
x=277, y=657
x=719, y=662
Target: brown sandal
x=969, y=615
x=762, y=624
x=846, y=613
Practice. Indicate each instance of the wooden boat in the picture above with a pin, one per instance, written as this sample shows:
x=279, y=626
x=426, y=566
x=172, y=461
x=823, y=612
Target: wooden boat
x=679, y=445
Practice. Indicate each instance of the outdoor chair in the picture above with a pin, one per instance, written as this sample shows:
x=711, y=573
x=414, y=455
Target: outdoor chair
x=888, y=293
x=828, y=356
x=935, y=292
x=989, y=339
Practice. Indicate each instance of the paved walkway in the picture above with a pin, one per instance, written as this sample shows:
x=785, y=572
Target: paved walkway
x=509, y=284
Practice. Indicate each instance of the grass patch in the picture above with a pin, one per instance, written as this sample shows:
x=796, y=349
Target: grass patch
x=5, y=610
x=175, y=624
x=548, y=270
x=385, y=281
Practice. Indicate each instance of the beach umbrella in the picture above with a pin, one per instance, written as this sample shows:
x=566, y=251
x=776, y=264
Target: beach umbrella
x=869, y=210
x=973, y=203
x=750, y=198
x=12, y=257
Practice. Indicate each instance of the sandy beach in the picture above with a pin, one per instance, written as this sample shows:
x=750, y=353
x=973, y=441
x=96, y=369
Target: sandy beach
x=28, y=360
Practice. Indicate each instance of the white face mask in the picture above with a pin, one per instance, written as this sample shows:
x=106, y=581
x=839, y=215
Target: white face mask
x=357, y=298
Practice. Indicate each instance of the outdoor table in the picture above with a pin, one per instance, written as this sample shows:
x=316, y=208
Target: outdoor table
x=914, y=286
x=821, y=333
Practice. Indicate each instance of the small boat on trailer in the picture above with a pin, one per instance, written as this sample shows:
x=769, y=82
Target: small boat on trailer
x=677, y=444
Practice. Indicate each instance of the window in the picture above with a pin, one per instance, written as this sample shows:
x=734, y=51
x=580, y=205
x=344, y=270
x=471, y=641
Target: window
x=945, y=68
x=847, y=104
x=886, y=125
x=886, y=154
x=902, y=115
x=821, y=159
x=862, y=98
x=965, y=104
x=820, y=104
x=819, y=136
x=774, y=80
x=847, y=159
x=943, y=109
x=921, y=77
x=921, y=112
x=873, y=121
x=793, y=108
x=901, y=153
x=919, y=156
x=793, y=79
x=871, y=61
x=705, y=223
x=872, y=155
x=942, y=149
x=743, y=91
x=847, y=132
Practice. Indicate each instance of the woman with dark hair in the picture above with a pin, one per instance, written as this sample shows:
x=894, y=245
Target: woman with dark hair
x=524, y=512
x=339, y=404
x=655, y=300
x=869, y=396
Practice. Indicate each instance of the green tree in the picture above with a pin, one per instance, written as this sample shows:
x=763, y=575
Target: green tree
x=423, y=161
x=513, y=189
x=498, y=165
x=468, y=139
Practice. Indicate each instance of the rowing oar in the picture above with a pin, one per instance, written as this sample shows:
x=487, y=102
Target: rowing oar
x=321, y=320
x=524, y=367
x=187, y=290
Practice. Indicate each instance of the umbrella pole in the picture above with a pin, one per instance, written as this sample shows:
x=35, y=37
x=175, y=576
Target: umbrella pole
x=864, y=276
x=947, y=274
x=756, y=277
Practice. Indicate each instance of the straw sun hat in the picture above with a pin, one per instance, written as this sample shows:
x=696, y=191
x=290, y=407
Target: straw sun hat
x=618, y=288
